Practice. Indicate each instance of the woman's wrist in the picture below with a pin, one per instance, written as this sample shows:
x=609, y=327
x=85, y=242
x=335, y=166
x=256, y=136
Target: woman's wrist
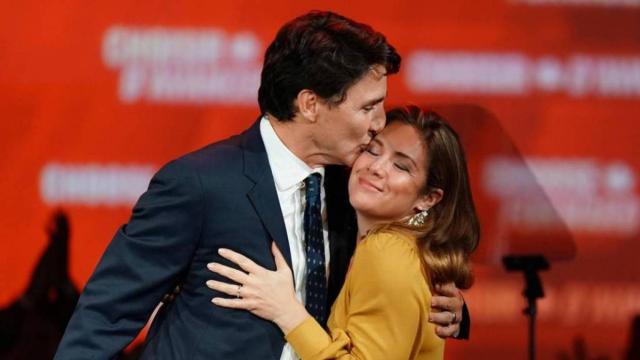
x=293, y=317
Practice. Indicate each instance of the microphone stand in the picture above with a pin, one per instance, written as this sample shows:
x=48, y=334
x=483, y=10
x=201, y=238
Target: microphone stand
x=530, y=265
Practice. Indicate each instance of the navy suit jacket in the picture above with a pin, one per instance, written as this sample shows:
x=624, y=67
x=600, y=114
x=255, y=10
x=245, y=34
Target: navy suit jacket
x=220, y=196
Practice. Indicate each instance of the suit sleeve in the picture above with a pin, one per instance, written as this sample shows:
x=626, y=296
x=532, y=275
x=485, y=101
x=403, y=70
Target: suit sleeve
x=386, y=307
x=144, y=260
x=465, y=324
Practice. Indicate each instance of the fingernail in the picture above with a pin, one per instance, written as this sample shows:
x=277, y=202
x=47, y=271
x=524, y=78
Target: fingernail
x=211, y=266
x=222, y=251
x=210, y=283
x=214, y=300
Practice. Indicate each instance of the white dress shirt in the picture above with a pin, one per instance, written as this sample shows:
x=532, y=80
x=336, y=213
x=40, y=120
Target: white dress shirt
x=289, y=173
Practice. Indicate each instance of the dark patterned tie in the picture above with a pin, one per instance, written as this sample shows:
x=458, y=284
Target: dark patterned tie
x=316, y=286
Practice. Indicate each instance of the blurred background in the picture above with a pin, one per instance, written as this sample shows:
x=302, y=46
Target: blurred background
x=95, y=97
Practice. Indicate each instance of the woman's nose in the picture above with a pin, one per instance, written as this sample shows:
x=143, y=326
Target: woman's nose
x=377, y=167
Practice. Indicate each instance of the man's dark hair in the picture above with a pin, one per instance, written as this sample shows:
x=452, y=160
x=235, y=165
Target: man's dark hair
x=323, y=52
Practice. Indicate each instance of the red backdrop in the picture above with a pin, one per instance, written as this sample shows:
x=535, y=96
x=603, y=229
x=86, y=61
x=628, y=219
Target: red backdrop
x=95, y=98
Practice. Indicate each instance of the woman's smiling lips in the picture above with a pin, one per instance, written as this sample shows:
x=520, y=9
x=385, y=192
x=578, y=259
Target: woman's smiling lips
x=367, y=184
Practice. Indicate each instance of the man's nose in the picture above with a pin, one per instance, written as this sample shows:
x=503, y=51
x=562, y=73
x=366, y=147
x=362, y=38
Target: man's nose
x=379, y=119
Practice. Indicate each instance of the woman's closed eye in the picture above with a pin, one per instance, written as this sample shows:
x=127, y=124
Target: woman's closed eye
x=372, y=150
x=401, y=167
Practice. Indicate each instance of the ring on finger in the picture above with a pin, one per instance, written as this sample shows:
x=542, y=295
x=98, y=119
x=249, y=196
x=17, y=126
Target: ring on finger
x=238, y=292
x=453, y=317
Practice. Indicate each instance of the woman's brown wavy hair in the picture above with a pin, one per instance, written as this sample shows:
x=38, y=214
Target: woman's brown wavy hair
x=451, y=232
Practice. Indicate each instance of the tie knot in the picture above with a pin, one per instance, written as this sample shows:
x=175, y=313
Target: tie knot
x=312, y=182
x=312, y=189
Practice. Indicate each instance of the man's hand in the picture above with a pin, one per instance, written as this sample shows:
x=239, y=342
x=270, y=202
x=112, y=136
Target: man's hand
x=446, y=310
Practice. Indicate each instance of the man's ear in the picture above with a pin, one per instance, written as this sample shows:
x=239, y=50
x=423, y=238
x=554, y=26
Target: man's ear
x=307, y=103
x=430, y=199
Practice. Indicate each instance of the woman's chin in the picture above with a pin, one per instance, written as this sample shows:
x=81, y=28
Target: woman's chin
x=364, y=205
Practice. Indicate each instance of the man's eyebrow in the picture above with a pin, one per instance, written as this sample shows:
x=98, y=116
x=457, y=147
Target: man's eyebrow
x=375, y=101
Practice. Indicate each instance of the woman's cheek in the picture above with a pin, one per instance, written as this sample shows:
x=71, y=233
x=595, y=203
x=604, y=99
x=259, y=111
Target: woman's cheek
x=402, y=186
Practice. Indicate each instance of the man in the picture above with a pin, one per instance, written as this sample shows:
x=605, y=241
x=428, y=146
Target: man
x=322, y=90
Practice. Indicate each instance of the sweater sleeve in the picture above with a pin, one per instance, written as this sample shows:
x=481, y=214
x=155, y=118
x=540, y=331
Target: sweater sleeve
x=386, y=306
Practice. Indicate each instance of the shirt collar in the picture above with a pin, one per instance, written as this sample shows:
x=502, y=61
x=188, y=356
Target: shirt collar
x=287, y=169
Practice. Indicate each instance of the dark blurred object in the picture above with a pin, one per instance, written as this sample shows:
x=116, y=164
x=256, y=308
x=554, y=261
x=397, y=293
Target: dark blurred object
x=530, y=265
x=580, y=351
x=633, y=351
x=32, y=326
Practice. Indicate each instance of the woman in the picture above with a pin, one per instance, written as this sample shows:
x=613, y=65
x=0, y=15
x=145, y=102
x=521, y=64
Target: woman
x=416, y=226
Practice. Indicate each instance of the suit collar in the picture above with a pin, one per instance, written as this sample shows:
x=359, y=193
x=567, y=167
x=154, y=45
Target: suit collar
x=288, y=170
x=256, y=163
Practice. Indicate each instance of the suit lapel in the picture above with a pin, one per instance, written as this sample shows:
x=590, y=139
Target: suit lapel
x=263, y=195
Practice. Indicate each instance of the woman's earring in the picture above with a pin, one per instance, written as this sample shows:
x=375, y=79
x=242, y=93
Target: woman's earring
x=419, y=218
